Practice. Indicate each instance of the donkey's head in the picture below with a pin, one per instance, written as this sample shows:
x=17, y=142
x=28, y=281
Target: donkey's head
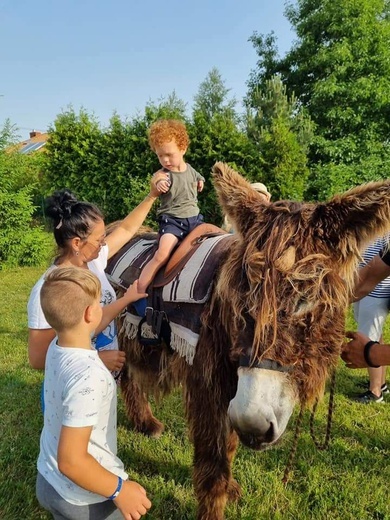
x=286, y=287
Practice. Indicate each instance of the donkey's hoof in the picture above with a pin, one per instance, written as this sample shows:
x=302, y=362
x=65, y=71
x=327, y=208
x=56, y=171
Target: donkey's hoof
x=234, y=491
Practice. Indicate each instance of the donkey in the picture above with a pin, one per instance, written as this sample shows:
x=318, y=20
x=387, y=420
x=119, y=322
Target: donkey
x=270, y=332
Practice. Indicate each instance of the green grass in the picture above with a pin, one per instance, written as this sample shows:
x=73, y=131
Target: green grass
x=348, y=481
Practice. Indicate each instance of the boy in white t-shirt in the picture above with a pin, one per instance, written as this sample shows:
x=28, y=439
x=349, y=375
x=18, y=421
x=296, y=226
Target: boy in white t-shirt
x=79, y=473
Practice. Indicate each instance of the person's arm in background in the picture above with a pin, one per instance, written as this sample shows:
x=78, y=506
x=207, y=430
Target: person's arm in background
x=128, y=227
x=369, y=276
x=353, y=352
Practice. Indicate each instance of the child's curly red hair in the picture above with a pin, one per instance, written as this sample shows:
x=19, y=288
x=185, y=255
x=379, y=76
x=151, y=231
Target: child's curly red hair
x=166, y=130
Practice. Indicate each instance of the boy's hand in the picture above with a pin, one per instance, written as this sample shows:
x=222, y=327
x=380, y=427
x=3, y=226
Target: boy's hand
x=156, y=178
x=132, y=294
x=200, y=186
x=162, y=181
x=132, y=501
x=163, y=186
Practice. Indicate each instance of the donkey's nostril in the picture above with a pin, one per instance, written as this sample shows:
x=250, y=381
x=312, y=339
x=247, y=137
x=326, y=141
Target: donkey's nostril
x=270, y=434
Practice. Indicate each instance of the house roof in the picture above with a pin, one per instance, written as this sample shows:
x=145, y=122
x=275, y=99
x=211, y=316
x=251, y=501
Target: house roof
x=36, y=142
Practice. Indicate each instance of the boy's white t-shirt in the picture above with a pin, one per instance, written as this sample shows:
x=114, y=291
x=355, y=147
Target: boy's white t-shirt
x=105, y=340
x=78, y=391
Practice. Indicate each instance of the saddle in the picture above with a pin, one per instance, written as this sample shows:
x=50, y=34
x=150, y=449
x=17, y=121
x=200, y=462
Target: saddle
x=178, y=291
x=184, y=251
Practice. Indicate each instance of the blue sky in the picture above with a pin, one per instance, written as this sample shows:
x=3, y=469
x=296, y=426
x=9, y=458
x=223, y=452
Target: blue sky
x=119, y=54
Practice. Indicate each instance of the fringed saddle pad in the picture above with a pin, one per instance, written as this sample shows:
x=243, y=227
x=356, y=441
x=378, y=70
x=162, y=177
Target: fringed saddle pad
x=182, y=299
x=126, y=266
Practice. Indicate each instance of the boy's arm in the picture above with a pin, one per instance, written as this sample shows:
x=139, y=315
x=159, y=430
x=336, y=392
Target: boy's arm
x=200, y=181
x=83, y=469
x=112, y=310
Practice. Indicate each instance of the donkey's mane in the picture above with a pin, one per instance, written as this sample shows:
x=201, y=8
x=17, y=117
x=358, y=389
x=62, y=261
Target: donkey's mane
x=280, y=277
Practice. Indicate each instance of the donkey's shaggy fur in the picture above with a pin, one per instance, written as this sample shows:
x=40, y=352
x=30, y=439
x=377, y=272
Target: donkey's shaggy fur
x=281, y=293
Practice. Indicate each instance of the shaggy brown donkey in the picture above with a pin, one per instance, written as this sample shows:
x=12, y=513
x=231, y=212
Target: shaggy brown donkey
x=271, y=331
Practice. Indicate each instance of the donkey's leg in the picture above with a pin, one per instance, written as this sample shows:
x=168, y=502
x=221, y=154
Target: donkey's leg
x=138, y=409
x=214, y=446
x=234, y=489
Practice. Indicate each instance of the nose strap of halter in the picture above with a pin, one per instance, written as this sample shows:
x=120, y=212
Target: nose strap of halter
x=266, y=364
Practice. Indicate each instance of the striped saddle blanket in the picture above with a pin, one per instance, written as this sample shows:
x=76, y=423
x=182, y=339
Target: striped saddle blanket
x=180, y=297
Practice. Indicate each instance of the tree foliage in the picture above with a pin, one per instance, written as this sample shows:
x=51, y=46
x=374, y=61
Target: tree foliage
x=339, y=69
x=282, y=131
x=112, y=166
x=108, y=166
x=216, y=135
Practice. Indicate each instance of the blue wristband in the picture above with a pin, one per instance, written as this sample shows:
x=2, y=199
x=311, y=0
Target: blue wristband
x=116, y=492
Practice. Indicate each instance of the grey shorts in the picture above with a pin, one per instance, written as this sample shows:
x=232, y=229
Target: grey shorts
x=370, y=316
x=180, y=227
x=62, y=510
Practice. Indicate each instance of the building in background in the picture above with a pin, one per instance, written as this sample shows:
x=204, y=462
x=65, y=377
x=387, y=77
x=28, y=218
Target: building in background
x=36, y=142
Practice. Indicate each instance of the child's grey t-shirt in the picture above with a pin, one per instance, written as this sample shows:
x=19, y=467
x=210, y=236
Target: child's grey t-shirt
x=181, y=201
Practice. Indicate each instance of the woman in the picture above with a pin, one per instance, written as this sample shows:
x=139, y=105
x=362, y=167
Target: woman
x=80, y=236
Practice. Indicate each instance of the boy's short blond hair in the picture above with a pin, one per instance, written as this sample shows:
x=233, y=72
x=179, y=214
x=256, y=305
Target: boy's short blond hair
x=164, y=131
x=66, y=293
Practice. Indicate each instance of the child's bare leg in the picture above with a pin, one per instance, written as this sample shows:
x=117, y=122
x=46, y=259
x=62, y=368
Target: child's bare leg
x=165, y=247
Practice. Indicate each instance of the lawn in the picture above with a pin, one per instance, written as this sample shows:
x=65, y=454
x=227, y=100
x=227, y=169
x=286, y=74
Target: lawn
x=348, y=481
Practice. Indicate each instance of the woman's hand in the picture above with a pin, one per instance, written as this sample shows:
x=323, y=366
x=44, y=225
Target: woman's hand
x=113, y=359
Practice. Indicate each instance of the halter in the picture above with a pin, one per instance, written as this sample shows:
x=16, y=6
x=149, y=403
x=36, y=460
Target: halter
x=270, y=364
x=266, y=364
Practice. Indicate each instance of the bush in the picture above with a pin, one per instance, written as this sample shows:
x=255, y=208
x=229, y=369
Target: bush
x=21, y=242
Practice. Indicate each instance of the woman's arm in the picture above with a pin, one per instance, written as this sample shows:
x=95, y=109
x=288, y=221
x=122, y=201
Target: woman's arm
x=83, y=469
x=130, y=225
x=40, y=339
x=38, y=344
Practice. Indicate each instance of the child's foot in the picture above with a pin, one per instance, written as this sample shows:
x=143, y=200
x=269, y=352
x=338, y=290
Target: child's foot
x=140, y=307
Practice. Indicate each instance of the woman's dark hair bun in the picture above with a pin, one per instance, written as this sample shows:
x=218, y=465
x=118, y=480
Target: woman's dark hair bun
x=59, y=205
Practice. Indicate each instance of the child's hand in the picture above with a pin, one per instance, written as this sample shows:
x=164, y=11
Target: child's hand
x=200, y=186
x=163, y=184
x=156, y=178
x=132, y=294
x=132, y=500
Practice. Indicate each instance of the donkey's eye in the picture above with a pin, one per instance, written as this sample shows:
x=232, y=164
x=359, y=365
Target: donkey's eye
x=303, y=306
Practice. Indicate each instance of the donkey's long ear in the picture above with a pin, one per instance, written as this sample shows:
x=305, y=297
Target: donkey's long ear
x=355, y=218
x=239, y=201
